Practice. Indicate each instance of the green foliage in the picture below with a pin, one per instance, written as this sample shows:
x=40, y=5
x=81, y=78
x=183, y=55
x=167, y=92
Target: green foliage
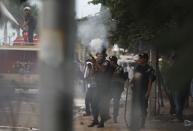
x=166, y=24
x=145, y=19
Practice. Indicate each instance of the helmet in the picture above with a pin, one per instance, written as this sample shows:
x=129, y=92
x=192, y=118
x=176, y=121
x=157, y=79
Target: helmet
x=27, y=8
x=102, y=52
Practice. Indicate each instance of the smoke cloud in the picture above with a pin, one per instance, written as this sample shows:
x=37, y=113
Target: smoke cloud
x=37, y=3
x=93, y=31
x=96, y=45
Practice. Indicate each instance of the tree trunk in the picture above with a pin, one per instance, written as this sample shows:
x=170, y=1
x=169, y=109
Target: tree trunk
x=154, y=92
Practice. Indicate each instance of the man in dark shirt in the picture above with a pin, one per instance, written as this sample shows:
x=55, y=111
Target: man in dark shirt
x=101, y=95
x=117, y=85
x=142, y=84
x=29, y=24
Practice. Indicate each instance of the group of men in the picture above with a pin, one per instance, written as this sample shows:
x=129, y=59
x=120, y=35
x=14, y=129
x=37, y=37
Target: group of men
x=105, y=80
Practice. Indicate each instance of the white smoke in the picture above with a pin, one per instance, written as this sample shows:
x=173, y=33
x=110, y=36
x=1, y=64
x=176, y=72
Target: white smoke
x=37, y=3
x=93, y=31
x=97, y=45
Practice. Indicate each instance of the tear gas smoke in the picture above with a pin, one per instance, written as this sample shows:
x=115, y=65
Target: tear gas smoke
x=96, y=45
x=94, y=30
x=5, y=11
x=37, y=3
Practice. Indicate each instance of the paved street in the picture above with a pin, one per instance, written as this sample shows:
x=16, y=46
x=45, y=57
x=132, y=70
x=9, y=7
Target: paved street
x=23, y=114
x=162, y=123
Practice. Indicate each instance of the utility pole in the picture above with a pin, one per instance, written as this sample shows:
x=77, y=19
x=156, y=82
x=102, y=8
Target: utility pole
x=154, y=91
x=57, y=32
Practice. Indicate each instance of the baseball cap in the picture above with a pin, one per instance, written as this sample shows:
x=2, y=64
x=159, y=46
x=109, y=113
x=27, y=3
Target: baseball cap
x=27, y=8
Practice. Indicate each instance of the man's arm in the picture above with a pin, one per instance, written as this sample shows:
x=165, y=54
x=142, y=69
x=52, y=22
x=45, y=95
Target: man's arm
x=25, y=25
x=101, y=68
x=98, y=66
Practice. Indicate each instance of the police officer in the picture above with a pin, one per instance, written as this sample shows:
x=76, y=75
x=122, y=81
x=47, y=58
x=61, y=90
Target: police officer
x=142, y=81
x=117, y=85
x=101, y=95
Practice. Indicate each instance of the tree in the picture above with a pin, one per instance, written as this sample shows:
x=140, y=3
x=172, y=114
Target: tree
x=146, y=19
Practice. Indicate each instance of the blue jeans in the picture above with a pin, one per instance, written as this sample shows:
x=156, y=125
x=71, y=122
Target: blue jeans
x=88, y=100
x=116, y=91
x=30, y=35
x=179, y=105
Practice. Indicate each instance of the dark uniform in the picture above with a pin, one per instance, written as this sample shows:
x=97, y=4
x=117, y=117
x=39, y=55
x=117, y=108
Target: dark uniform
x=179, y=96
x=142, y=75
x=101, y=95
x=117, y=87
x=31, y=26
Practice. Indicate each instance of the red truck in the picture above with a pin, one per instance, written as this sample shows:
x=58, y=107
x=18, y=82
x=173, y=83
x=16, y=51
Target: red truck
x=23, y=40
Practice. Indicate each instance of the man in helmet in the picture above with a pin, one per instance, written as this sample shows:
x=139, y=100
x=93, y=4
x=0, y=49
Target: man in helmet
x=101, y=95
x=29, y=24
